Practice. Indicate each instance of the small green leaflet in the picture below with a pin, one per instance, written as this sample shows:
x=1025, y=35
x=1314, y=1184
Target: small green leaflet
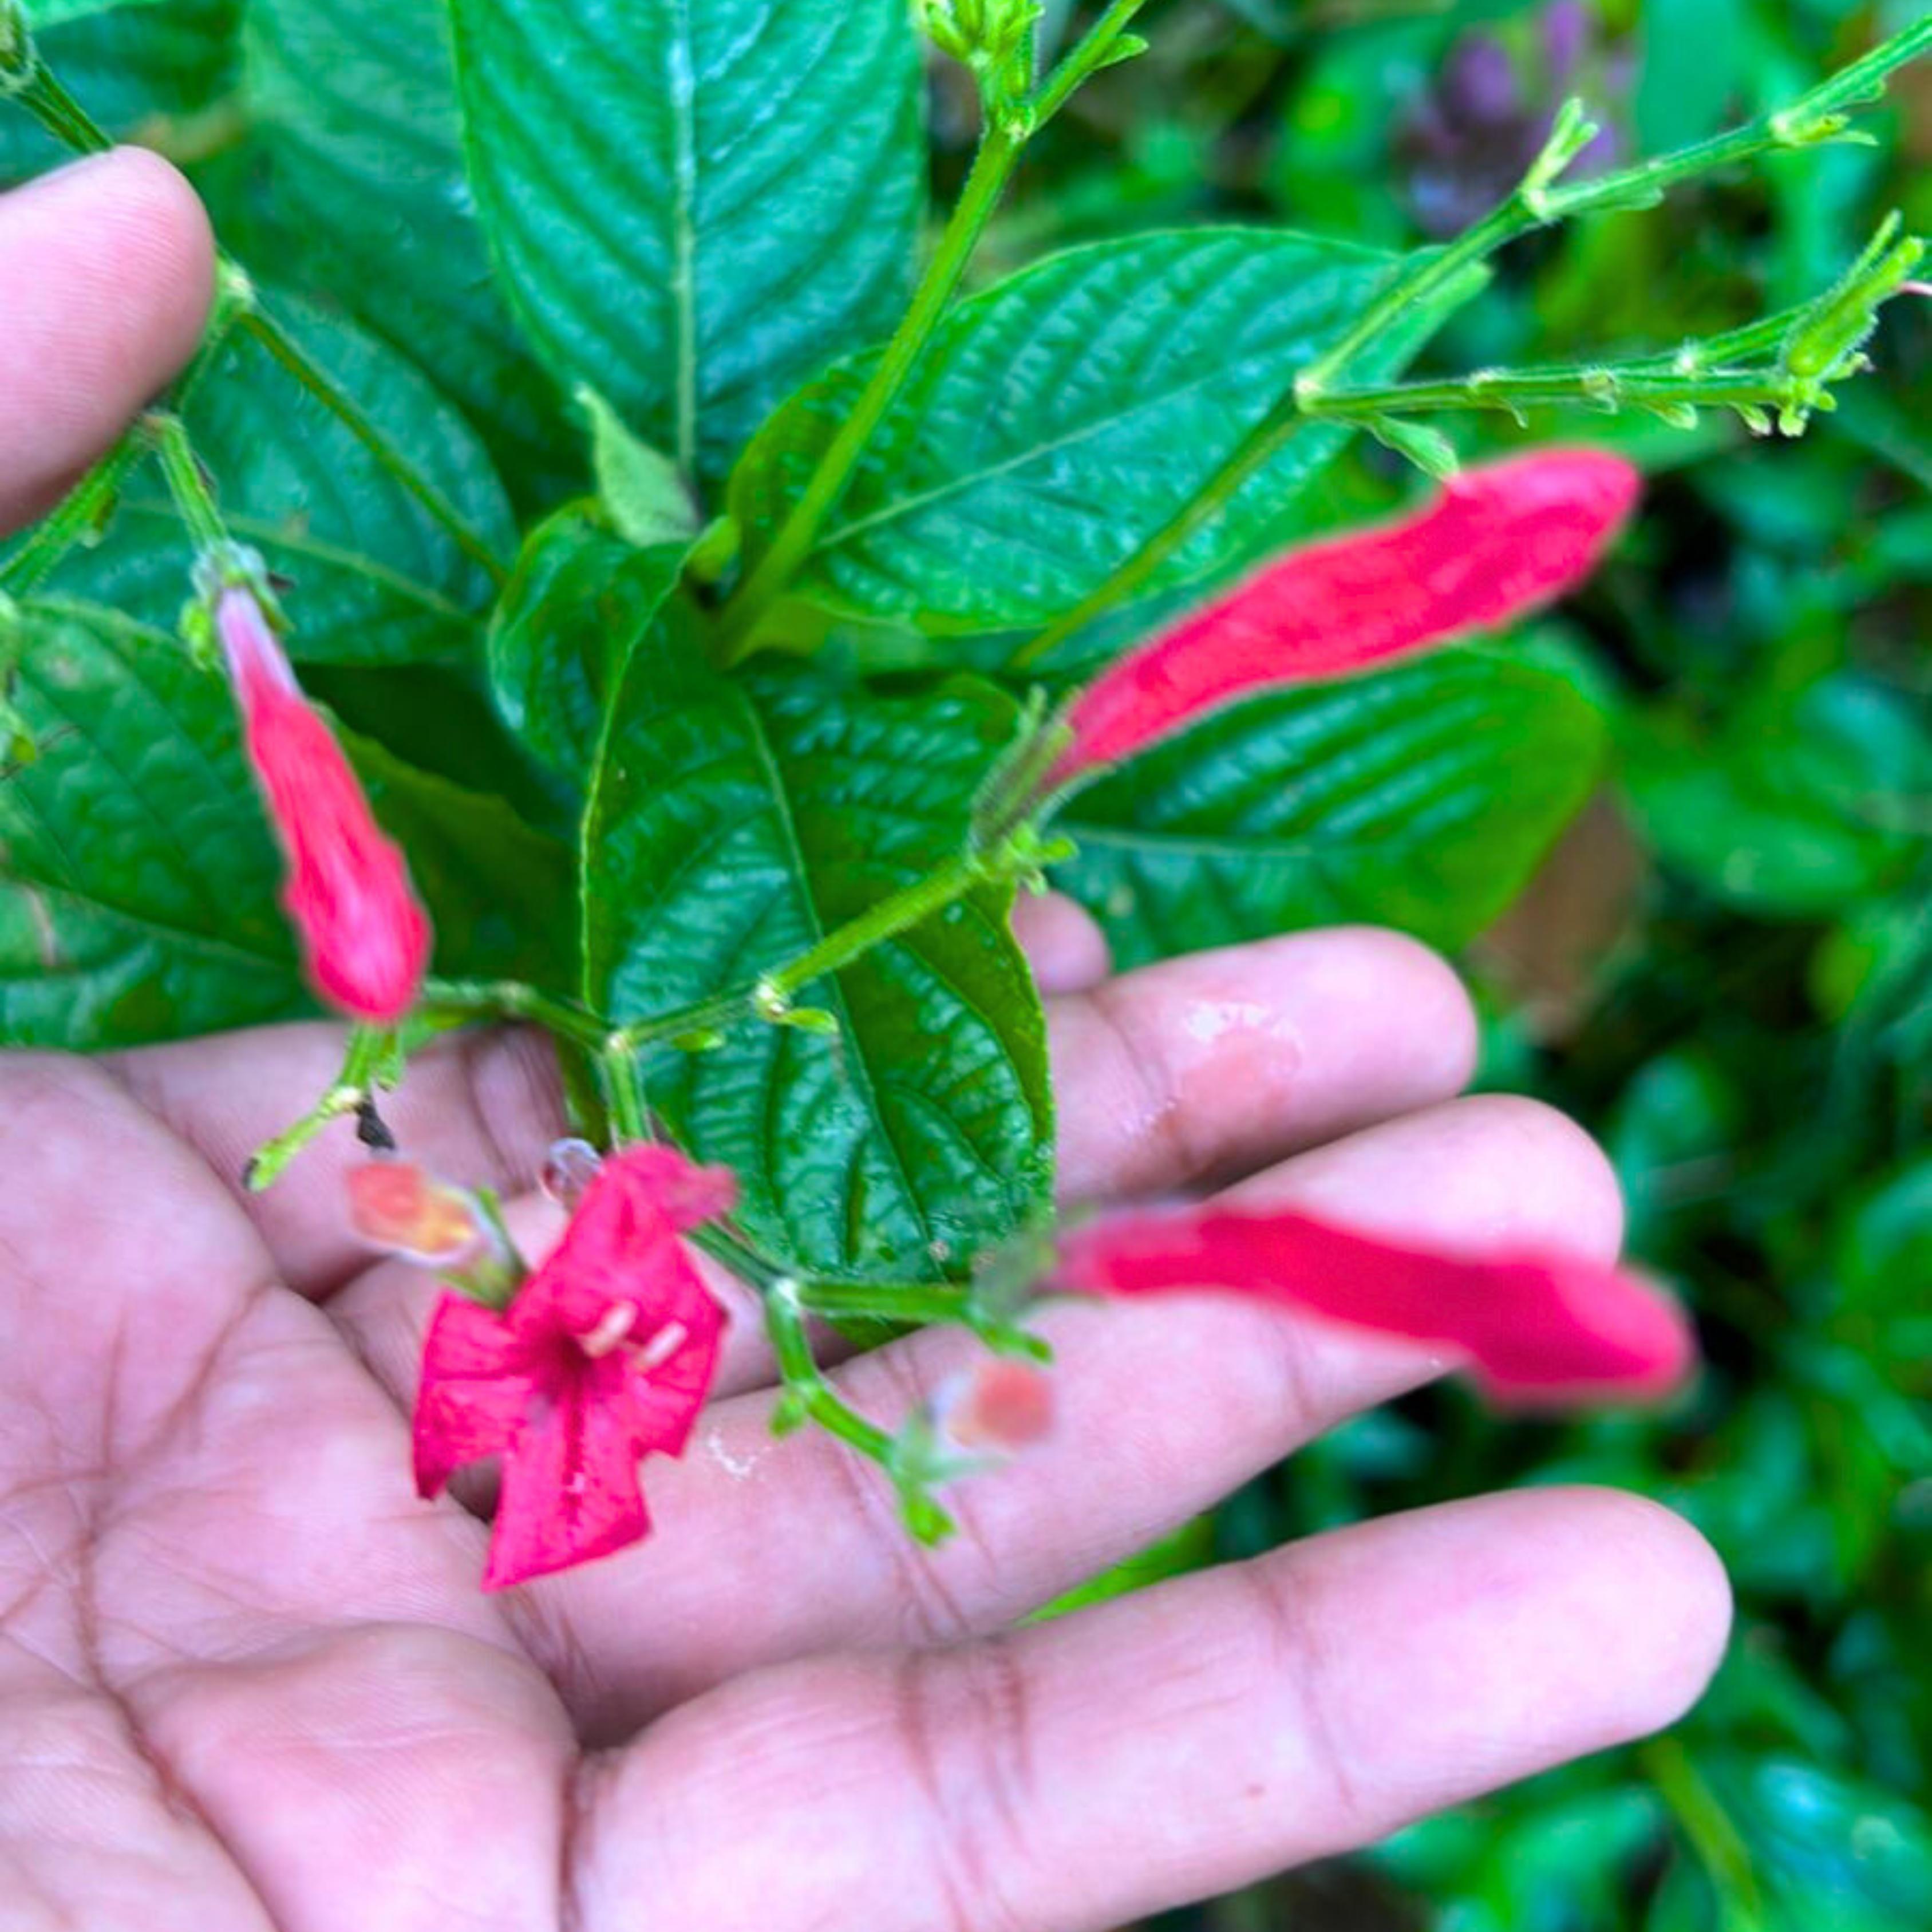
x=580, y=599
x=1060, y=419
x=694, y=204
x=373, y=578
x=1422, y=798
x=731, y=825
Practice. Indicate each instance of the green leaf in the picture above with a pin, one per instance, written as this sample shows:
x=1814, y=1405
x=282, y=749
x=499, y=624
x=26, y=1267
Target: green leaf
x=1422, y=798
x=733, y=824
x=374, y=579
x=149, y=71
x=139, y=885
x=695, y=203
x=503, y=897
x=1803, y=809
x=363, y=197
x=645, y=498
x=1060, y=419
x=578, y=602
x=44, y=13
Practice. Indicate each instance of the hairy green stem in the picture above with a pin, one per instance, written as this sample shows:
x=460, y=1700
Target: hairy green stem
x=56, y=110
x=194, y=502
x=1100, y=46
x=992, y=167
x=369, y=1051
x=511, y=1000
x=1513, y=389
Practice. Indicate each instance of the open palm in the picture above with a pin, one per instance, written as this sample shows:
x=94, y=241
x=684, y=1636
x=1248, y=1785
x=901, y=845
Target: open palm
x=247, y=1679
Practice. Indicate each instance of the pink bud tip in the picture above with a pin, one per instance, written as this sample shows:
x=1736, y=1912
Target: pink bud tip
x=394, y=1205
x=347, y=893
x=1004, y=1407
x=1498, y=540
x=1533, y=1330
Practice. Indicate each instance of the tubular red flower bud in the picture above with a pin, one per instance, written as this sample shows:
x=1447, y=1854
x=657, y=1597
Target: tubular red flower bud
x=1533, y=1330
x=606, y=1355
x=1002, y=1407
x=348, y=892
x=1499, y=541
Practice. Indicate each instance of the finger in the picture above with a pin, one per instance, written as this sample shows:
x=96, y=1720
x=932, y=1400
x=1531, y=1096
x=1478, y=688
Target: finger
x=482, y=1107
x=1163, y=1408
x=1067, y=951
x=1223, y=1060
x=108, y=267
x=1170, y=1745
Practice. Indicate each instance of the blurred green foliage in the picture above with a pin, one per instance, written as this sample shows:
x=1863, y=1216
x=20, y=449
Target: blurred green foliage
x=1725, y=971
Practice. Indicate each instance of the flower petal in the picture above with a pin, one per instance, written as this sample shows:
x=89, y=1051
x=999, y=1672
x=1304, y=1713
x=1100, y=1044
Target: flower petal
x=1501, y=538
x=570, y=1491
x=1534, y=1329
x=476, y=1387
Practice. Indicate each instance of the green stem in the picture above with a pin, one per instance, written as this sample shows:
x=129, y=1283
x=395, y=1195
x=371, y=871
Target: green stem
x=1714, y=1835
x=369, y=1050
x=1514, y=389
x=897, y=1301
x=316, y=380
x=769, y=998
x=511, y=1000
x=1097, y=48
x=1252, y=454
x=999, y=151
x=57, y=111
x=194, y=501
x=77, y=519
x=624, y=1089
x=806, y=1387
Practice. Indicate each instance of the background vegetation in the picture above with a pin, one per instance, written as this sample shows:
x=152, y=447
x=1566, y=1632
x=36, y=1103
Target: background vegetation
x=1725, y=970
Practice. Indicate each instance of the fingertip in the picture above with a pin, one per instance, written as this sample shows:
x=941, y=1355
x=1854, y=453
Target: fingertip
x=108, y=265
x=1062, y=942
x=1437, y=1016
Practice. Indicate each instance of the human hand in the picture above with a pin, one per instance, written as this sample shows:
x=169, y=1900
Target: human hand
x=247, y=1678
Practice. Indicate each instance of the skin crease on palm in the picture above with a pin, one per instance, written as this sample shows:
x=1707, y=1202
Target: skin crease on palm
x=247, y=1680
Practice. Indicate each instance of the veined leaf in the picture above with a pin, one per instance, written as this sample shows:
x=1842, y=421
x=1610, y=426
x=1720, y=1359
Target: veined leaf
x=138, y=880
x=375, y=579
x=731, y=825
x=141, y=71
x=580, y=599
x=695, y=203
x=1060, y=419
x=1422, y=798
x=365, y=199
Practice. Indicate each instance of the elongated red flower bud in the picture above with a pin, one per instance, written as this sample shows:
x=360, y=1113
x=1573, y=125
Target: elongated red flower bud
x=348, y=892
x=1533, y=1330
x=1499, y=541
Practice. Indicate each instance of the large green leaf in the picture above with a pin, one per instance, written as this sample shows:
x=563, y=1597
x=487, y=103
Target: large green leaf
x=1422, y=798
x=144, y=71
x=580, y=599
x=731, y=825
x=1060, y=419
x=374, y=578
x=139, y=883
x=365, y=197
x=695, y=203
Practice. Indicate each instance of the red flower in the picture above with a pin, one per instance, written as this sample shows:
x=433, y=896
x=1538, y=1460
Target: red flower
x=1500, y=539
x=348, y=892
x=605, y=1355
x=1531, y=1329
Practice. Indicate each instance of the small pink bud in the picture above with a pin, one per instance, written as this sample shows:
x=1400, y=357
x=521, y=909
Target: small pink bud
x=1500, y=539
x=1002, y=1407
x=348, y=892
x=394, y=1205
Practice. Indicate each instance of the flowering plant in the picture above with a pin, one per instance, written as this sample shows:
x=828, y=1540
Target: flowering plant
x=726, y=621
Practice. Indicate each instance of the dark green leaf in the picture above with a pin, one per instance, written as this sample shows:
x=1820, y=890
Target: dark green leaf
x=139, y=884
x=580, y=600
x=374, y=579
x=150, y=72
x=363, y=197
x=733, y=826
x=1422, y=798
x=695, y=205
x=1798, y=812
x=503, y=897
x=1059, y=420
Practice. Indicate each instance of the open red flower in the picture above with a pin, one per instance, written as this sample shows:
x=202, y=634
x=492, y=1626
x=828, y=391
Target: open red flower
x=1536, y=1330
x=1500, y=539
x=605, y=1355
x=348, y=892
